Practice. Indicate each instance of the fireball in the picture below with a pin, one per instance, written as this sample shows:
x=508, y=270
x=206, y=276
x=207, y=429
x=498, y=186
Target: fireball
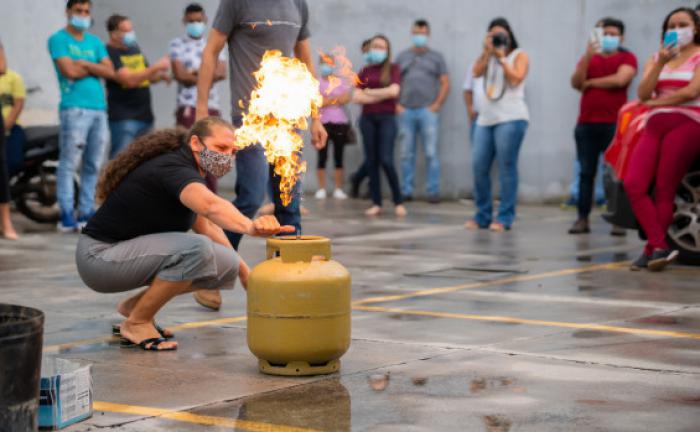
x=286, y=94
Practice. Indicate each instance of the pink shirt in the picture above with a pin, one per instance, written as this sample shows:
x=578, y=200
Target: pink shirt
x=673, y=79
x=333, y=113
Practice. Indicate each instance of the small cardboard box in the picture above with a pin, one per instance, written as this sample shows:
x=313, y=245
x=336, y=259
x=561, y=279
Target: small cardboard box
x=66, y=393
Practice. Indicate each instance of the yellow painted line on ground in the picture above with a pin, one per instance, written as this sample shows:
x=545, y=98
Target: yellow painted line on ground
x=533, y=322
x=103, y=339
x=187, y=417
x=495, y=282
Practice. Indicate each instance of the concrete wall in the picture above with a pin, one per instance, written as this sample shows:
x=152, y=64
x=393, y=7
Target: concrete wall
x=553, y=32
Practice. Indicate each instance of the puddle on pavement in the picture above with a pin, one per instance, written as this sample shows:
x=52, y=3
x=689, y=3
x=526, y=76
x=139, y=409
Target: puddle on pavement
x=660, y=319
x=588, y=334
x=409, y=317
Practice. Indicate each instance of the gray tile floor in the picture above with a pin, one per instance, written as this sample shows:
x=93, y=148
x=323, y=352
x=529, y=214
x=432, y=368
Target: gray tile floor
x=529, y=330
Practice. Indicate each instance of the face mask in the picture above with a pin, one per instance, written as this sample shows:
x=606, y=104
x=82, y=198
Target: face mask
x=420, y=40
x=376, y=56
x=129, y=38
x=685, y=35
x=215, y=163
x=195, y=29
x=79, y=22
x=610, y=43
x=326, y=69
x=365, y=57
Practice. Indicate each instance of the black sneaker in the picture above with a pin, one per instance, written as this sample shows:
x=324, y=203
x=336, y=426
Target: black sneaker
x=580, y=227
x=640, y=263
x=661, y=258
x=407, y=198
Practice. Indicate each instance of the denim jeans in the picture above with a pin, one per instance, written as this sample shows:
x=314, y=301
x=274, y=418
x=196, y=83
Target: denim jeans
x=415, y=122
x=501, y=142
x=599, y=189
x=254, y=176
x=591, y=141
x=378, y=137
x=122, y=132
x=83, y=136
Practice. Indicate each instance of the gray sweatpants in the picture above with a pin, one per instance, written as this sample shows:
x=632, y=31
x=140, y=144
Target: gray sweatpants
x=171, y=256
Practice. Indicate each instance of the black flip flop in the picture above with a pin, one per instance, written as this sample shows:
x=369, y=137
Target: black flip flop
x=116, y=331
x=154, y=343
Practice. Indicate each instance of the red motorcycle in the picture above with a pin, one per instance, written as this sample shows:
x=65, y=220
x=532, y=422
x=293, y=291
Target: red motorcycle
x=684, y=232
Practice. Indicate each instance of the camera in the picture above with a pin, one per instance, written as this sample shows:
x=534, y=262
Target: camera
x=499, y=40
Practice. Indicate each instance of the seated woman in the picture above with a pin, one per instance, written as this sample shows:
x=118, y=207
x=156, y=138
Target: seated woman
x=669, y=144
x=153, y=193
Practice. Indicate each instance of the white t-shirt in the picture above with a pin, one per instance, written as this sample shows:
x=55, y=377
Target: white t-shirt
x=510, y=107
x=189, y=52
x=476, y=86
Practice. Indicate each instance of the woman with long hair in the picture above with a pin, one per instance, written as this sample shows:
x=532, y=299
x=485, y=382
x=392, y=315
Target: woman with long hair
x=501, y=125
x=380, y=78
x=670, y=143
x=153, y=193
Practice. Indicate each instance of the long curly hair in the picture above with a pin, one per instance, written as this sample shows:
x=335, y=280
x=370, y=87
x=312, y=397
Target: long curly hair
x=149, y=146
x=139, y=151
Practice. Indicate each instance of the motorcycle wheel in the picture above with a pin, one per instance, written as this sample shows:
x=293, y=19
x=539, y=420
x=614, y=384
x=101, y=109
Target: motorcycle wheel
x=37, y=198
x=684, y=232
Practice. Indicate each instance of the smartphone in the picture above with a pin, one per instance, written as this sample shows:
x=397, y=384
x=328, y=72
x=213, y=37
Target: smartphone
x=596, y=38
x=671, y=39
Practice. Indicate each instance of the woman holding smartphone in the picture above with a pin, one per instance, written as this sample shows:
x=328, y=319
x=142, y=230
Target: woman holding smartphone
x=670, y=143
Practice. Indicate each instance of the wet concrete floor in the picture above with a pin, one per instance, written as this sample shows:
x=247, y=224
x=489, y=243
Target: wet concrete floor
x=528, y=330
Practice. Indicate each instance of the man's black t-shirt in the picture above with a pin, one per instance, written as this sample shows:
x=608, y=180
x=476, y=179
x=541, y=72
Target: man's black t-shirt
x=128, y=103
x=147, y=200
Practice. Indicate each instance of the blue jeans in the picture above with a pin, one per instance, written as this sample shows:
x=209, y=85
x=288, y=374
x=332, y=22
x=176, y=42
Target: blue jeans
x=378, y=137
x=254, y=177
x=83, y=136
x=412, y=123
x=124, y=131
x=599, y=190
x=501, y=142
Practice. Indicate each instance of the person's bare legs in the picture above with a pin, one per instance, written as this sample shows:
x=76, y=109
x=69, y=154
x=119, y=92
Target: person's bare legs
x=321, y=175
x=139, y=325
x=126, y=306
x=8, y=231
x=338, y=178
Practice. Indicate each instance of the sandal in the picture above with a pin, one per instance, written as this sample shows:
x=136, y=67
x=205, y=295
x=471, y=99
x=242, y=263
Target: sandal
x=144, y=344
x=471, y=225
x=116, y=331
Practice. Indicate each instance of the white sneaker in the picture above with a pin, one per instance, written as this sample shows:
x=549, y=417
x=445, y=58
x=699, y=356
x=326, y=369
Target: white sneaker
x=339, y=194
x=321, y=194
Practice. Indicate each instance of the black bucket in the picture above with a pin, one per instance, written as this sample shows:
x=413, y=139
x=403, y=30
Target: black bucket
x=21, y=339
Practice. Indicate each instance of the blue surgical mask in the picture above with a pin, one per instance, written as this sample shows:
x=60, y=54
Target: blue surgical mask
x=420, y=40
x=325, y=69
x=365, y=57
x=376, y=56
x=610, y=43
x=79, y=22
x=129, y=38
x=195, y=29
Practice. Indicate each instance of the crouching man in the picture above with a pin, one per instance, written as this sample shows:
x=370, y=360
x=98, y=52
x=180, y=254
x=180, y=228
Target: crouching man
x=153, y=193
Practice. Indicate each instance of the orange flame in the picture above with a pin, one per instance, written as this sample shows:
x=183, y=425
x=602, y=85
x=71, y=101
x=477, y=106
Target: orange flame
x=285, y=95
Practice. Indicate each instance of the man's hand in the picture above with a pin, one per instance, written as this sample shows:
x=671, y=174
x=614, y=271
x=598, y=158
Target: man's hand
x=266, y=226
x=472, y=114
x=435, y=108
x=591, y=49
x=319, y=136
x=400, y=109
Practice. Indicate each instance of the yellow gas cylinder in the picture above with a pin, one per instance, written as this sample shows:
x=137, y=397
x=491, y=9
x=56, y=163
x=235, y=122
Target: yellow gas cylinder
x=299, y=308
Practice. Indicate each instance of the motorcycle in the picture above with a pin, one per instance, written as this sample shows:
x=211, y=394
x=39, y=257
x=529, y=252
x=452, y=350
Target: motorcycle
x=33, y=177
